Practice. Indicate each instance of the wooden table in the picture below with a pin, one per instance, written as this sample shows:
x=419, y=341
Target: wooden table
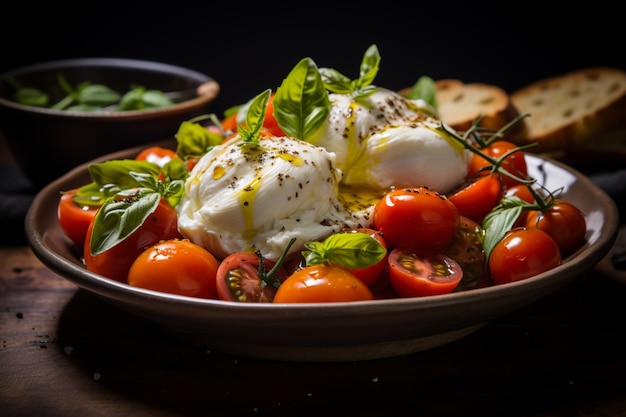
x=64, y=352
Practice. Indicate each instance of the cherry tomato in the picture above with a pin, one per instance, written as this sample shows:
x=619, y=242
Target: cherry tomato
x=229, y=123
x=176, y=267
x=238, y=279
x=75, y=217
x=369, y=275
x=564, y=222
x=514, y=163
x=322, y=283
x=157, y=155
x=478, y=196
x=270, y=124
x=415, y=272
x=416, y=216
x=523, y=253
x=115, y=262
x=467, y=250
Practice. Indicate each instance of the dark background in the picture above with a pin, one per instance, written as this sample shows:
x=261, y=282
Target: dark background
x=248, y=49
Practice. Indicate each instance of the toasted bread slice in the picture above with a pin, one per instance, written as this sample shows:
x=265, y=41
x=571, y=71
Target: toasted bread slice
x=460, y=104
x=573, y=110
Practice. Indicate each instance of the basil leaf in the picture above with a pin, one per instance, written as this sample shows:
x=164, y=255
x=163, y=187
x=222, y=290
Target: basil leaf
x=301, y=103
x=424, y=89
x=116, y=172
x=369, y=67
x=116, y=220
x=195, y=140
x=97, y=95
x=255, y=116
x=348, y=250
x=32, y=97
x=500, y=220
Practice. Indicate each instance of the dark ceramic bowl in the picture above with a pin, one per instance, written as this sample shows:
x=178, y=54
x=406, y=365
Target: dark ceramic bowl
x=47, y=143
x=328, y=332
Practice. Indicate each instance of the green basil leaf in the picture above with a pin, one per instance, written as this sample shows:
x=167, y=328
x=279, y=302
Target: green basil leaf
x=195, y=140
x=32, y=97
x=255, y=116
x=116, y=220
x=301, y=103
x=369, y=67
x=97, y=95
x=348, y=250
x=116, y=172
x=500, y=220
x=424, y=89
x=335, y=81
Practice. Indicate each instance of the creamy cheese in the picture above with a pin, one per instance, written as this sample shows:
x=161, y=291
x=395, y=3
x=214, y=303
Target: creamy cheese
x=240, y=199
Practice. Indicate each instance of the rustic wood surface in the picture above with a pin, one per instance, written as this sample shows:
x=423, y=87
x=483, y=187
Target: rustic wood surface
x=65, y=352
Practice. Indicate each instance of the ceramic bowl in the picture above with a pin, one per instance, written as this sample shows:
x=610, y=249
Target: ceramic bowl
x=47, y=143
x=329, y=332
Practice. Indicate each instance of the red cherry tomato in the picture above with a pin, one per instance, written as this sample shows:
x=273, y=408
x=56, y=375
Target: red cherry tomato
x=564, y=222
x=320, y=284
x=414, y=272
x=115, y=262
x=478, y=196
x=369, y=275
x=238, y=279
x=523, y=253
x=75, y=217
x=514, y=163
x=176, y=267
x=157, y=155
x=467, y=250
x=416, y=216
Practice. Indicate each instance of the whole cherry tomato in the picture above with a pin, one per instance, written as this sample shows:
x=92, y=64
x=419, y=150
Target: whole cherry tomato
x=370, y=274
x=415, y=272
x=478, y=196
x=416, y=216
x=75, y=215
x=514, y=163
x=176, y=266
x=321, y=283
x=156, y=154
x=563, y=221
x=523, y=253
x=240, y=278
x=115, y=262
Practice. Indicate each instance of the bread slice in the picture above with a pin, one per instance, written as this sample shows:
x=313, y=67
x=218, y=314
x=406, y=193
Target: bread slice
x=460, y=104
x=574, y=110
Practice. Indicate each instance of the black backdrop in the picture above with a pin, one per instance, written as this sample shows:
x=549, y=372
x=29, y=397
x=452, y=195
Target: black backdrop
x=249, y=49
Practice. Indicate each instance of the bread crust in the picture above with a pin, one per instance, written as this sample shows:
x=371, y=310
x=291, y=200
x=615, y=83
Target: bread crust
x=460, y=104
x=573, y=111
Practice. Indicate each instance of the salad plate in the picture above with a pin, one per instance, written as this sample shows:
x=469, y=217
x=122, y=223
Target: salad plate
x=327, y=332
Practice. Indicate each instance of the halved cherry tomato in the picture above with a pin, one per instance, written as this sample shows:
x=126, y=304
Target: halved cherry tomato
x=478, y=196
x=75, y=217
x=176, y=267
x=415, y=272
x=564, y=222
x=523, y=253
x=468, y=251
x=514, y=163
x=157, y=155
x=416, y=216
x=238, y=279
x=322, y=283
x=369, y=275
x=115, y=263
